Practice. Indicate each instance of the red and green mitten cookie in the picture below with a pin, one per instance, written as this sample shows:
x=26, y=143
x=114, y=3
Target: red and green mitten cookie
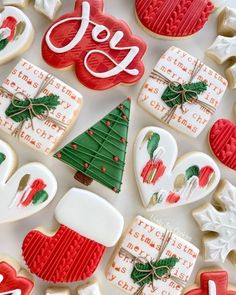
x=88, y=224
x=102, y=48
x=173, y=18
x=99, y=153
x=13, y=279
x=212, y=282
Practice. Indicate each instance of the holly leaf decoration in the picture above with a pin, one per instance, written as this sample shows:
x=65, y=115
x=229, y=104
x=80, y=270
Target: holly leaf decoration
x=3, y=44
x=153, y=143
x=173, y=95
x=40, y=197
x=20, y=112
x=162, y=268
x=192, y=171
x=2, y=158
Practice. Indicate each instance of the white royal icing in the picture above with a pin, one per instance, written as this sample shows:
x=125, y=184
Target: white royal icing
x=221, y=222
x=9, y=183
x=27, y=78
x=218, y=3
x=92, y=289
x=19, y=3
x=177, y=65
x=212, y=288
x=21, y=42
x=97, y=30
x=91, y=216
x=229, y=20
x=58, y=291
x=167, y=151
x=143, y=239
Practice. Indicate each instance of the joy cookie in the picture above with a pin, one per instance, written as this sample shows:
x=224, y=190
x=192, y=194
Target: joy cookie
x=25, y=191
x=219, y=218
x=37, y=108
x=99, y=153
x=88, y=224
x=47, y=7
x=182, y=92
x=223, y=48
x=16, y=33
x=151, y=260
x=165, y=181
x=102, y=48
x=13, y=279
x=212, y=282
x=173, y=18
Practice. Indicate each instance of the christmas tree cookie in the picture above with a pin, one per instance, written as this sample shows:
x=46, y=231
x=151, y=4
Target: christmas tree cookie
x=99, y=153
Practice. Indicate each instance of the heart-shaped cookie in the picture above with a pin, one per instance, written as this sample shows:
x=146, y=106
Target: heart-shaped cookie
x=30, y=189
x=173, y=18
x=164, y=182
x=16, y=33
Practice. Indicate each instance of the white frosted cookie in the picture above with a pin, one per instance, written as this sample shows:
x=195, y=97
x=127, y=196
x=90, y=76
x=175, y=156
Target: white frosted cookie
x=220, y=219
x=182, y=92
x=91, y=288
x=24, y=191
x=16, y=33
x=165, y=181
x=218, y=3
x=227, y=22
x=58, y=291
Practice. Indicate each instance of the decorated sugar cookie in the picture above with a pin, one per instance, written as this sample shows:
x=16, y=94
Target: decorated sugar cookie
x=88, y=224
x=91, y=288
x=102, y=48
x=173, y=18
x=16, y=33
x=212, y=282
x=219, y=219
x=151, y=260
x=30, y=189
x=182, y=92
x=58, y=291
x=166, y=182
x=13, y=279
x=47, y=7
x=99, y=153
x=37, y=108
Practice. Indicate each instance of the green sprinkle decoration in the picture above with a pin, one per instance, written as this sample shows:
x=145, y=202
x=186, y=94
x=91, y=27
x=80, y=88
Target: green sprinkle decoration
x=192, y=171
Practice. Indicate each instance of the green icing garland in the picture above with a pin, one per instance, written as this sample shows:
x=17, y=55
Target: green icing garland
x=100, y=151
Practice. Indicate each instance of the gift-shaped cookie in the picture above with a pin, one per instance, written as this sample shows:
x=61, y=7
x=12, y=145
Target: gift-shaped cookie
x=151, y=260
x=88, y=224
x=30, y=189
x=36, y=107
x=165, y=181
x=182, y=92
x=13, y=279
x=221, y=220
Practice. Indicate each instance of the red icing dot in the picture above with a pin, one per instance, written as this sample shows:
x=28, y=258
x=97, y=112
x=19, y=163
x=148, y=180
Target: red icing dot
x=74, y=146
x=123, y=140
x=115, y=158
x=86, y=165
x=59, y=156
x=90, y=132
x=104, y=169
x=121, y=106
x=129, y=98
x=108, y=123
x=115, y=189
x=124, y=117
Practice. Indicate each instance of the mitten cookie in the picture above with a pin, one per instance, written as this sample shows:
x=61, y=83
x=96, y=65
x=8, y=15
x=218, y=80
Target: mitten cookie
x=102, y=48
x=212, y=282
x=13, y=279
x=16, y=33
x=89, y=224
x=219, y=218
x=47, y=7
x=25, y=191
x=99, y=153
x=173, y=18
x=165, y=181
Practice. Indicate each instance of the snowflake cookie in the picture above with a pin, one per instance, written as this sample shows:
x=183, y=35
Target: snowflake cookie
x=47, y=7
x=212, y=282
x=223, y=48
x=164, y=181
x=219, y=219
x=88, y=225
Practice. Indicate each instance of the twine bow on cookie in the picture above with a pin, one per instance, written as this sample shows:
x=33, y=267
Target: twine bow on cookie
x=177, y=94
x=145, y=271
x=23, y=108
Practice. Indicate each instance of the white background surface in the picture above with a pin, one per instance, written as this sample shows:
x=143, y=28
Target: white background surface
x=98, y=104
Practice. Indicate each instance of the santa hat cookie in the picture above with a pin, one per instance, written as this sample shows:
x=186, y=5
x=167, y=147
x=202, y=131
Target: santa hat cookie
x=16, y=33
x=212, y=282
x=30, y=189
x=13, y=279
x=102, y=48
x=89, y=224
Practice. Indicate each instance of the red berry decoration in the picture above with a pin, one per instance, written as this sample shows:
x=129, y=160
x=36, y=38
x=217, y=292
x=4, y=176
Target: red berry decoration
x=86, y=165
x=108, y=123
x=104, y=169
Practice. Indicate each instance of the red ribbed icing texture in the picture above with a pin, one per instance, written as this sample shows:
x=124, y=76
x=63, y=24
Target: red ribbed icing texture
x=64, y=257
x=13, y=282
x=173, y=18
x=222, y=140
